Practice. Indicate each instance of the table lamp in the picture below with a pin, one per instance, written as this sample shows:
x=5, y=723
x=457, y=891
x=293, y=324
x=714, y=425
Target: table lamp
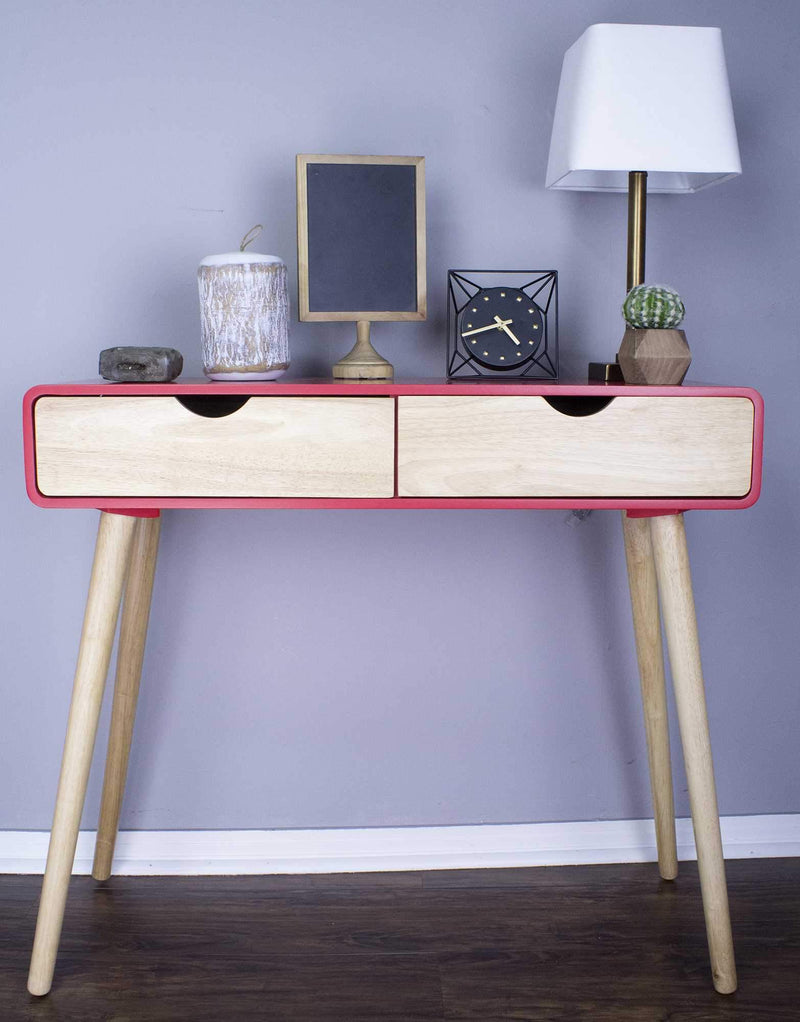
x=642, y=106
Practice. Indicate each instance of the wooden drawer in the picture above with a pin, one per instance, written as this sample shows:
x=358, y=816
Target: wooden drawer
x=521, y=446
x=269, y=447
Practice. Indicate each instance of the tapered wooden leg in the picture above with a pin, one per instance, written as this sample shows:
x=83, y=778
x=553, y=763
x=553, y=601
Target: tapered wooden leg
x=680, y=625
x=130, y=654
x=647, y=630
x=105, y=590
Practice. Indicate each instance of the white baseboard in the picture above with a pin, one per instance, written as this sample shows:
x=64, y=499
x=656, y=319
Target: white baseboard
x=209, y=852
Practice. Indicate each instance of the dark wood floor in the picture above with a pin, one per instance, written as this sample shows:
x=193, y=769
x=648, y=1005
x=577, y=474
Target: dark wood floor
x=606, y=943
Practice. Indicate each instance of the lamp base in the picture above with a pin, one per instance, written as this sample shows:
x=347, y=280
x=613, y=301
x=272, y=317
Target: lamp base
x=605, y=372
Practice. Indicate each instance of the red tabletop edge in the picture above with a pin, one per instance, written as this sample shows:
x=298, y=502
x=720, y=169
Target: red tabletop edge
x=148, y=505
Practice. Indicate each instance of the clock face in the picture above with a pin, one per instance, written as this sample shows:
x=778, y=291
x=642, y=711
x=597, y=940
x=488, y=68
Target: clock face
x=501, y=328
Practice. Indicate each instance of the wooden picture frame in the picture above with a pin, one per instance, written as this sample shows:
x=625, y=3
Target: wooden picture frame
x=361, y=226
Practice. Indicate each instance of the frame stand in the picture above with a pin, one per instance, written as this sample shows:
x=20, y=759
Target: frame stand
x=363, y=362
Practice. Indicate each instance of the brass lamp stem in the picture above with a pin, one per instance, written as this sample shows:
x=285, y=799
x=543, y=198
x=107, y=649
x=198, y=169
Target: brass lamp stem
x=610, y=372
x=637, y=219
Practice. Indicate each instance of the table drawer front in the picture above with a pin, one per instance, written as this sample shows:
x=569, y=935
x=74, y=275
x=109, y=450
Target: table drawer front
x=520, y=446
x=270, y=447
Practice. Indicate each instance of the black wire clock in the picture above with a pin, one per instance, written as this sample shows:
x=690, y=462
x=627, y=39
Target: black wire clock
x=502, y=323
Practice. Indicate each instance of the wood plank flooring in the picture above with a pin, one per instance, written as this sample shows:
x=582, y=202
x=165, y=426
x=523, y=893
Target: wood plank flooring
x=561, y=944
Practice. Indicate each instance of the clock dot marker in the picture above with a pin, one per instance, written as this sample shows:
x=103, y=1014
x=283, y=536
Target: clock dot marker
x=530, y=311
x=486, y=352
x=474, y=310
x=530, y=342
x=535, y=326
x=502, y=294
x=502, y=358
x=519, y=299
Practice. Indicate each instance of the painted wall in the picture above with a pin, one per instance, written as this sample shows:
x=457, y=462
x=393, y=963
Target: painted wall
x=319, y=669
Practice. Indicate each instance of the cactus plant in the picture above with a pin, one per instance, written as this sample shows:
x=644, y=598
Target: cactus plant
x=653, y=307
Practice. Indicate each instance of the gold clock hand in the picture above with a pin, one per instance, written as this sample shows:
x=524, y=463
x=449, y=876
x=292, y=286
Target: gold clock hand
x=492, y=326
x=502, y=324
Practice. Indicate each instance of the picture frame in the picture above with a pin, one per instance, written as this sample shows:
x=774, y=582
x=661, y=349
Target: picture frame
x=361, y=247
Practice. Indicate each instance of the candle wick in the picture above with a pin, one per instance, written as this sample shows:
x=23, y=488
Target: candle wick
x=250, y=237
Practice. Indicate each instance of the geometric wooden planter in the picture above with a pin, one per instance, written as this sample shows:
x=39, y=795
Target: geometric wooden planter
x=654, y=356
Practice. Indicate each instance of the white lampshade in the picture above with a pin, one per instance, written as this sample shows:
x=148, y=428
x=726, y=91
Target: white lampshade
x=643, y=97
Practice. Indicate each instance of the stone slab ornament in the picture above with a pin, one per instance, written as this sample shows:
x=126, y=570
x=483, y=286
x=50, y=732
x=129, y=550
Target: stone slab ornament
x=140, y=365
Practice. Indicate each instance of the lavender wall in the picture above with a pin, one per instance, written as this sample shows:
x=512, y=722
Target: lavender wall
x=316, y=669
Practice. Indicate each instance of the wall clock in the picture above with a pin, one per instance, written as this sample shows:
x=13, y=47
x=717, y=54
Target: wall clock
x=502, y=323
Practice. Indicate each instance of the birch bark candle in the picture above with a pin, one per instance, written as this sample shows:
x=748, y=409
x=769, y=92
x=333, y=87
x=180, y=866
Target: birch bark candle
x=244, y=308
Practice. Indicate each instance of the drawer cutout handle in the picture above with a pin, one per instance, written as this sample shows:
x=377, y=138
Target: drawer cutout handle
x=216, y=407
x=578, y=405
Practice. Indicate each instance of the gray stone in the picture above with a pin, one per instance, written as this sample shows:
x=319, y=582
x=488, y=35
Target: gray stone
x=140, y=365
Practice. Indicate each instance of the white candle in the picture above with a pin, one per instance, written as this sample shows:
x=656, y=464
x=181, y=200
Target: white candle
x=244, y=308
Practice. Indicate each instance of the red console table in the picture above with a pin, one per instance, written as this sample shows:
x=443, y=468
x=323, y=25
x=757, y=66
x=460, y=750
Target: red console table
x=133, y=450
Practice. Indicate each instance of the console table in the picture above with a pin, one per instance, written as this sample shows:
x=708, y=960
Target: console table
x=134, y=450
